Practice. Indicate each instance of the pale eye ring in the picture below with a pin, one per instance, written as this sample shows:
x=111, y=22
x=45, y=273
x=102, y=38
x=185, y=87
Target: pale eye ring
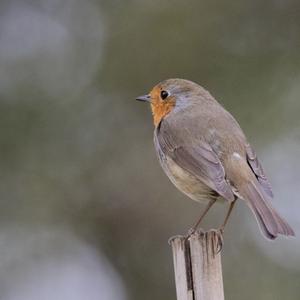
x=164, y=94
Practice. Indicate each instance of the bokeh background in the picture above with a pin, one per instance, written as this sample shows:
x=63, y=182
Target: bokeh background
x=85, y=209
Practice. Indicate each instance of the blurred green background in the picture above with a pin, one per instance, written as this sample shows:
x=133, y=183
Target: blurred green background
x=85, y=208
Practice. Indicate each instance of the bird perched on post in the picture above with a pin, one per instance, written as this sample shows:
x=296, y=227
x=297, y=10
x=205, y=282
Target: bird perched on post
x=205, y=153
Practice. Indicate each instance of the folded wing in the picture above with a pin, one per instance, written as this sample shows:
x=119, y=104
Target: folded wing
x=198, y=159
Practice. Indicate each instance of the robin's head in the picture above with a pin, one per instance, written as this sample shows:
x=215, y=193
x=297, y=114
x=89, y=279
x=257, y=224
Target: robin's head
x=171, y=94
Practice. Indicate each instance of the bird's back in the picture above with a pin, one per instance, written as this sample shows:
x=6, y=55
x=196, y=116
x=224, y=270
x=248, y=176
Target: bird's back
x=207, y=121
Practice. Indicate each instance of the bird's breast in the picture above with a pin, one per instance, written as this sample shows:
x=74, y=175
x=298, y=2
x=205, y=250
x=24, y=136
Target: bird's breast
x=187, y=183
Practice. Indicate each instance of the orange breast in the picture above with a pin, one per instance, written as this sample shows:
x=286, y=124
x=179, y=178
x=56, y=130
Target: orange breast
x=160, y=108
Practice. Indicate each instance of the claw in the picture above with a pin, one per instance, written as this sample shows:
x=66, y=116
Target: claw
x=218, y=241
x=192, y=230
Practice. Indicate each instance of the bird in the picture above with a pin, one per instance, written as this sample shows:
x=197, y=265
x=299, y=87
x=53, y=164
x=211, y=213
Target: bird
x=205, y=154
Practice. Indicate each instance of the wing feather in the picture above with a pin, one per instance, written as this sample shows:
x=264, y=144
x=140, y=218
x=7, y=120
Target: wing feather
x=198, y=159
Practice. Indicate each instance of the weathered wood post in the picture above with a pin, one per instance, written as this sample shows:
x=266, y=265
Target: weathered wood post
x=197, y=266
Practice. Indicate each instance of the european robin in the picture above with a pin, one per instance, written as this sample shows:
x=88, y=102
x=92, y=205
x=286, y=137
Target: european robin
x=205, y=153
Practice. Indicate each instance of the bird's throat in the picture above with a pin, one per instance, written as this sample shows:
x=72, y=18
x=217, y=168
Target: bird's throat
x=160, y=110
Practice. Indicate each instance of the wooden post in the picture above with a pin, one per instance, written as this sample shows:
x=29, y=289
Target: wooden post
x=197, y=265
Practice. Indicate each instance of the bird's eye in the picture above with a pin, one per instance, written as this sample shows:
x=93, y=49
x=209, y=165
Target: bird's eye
x=164, y=94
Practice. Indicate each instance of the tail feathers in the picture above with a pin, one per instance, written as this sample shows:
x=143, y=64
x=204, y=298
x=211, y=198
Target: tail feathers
x=269, y=220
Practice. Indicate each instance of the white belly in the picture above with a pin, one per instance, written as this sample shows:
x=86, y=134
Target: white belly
x=186, y=182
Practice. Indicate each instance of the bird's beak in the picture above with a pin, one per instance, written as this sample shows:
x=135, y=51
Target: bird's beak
x=145, y=98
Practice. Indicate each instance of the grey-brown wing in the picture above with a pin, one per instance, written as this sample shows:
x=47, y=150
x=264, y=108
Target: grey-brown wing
x=258, y=170
x=198, y=159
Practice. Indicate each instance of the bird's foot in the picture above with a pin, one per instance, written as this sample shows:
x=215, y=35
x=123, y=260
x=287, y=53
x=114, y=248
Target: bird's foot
x=218, y=240
x=192, y=231
x=217, y=237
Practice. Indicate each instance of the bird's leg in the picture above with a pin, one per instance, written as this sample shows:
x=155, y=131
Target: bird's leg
x=219, y=232
x=209, y=205
x=227, y=215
